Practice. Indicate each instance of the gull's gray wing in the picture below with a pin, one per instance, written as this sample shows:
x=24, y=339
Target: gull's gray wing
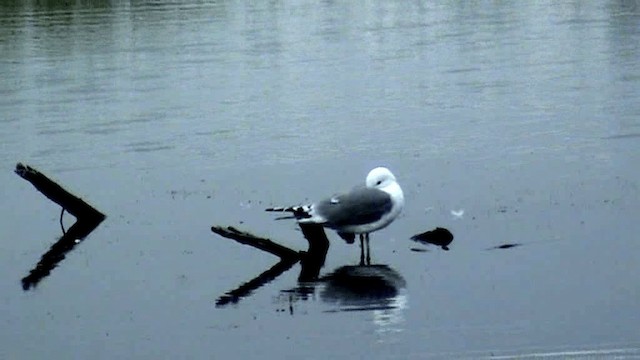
x=361, y=205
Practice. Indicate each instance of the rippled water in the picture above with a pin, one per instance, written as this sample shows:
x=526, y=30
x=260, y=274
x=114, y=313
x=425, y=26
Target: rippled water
x=506, y=123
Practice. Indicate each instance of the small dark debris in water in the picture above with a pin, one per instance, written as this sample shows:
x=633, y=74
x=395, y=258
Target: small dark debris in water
x=438, y=236
x=505, y=246
x=502, y=209
x=622, y=136
x=419, y=250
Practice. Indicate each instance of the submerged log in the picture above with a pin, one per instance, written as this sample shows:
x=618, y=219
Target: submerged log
x=311, y=260
x=71, y=203
x=263, y=244
x=88, y=218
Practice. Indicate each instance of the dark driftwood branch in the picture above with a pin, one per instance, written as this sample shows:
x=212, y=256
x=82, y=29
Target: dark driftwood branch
x=263, y=244
x=71, y=203
x=87, y=217
x=312, y=260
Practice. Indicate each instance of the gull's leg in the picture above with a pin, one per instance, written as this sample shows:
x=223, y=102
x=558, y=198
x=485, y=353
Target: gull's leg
x=366, y=239
x=361, y=249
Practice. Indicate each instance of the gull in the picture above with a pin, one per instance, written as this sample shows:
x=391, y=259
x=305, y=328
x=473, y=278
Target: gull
x=361, y=211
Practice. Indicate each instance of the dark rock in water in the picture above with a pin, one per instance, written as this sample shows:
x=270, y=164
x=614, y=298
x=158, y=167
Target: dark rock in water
x=438, y=236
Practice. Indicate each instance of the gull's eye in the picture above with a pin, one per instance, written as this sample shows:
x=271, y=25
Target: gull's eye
x=379, y=182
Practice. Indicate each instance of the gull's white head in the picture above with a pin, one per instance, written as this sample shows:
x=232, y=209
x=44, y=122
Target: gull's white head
x=380, y=177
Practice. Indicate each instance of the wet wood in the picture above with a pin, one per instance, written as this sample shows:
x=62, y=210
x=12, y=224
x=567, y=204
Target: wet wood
x=311, y=260
x=71, y=203
x=88, y=218
x=263, y=244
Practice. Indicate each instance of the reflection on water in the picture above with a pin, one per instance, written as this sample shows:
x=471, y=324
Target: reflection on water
x=362, y=287
x=375, y=288
x=378, y=289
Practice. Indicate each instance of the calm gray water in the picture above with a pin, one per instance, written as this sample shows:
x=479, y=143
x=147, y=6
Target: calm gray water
x=171, y=117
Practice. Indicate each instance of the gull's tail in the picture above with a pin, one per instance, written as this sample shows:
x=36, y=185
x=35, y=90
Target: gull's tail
x=299, y=212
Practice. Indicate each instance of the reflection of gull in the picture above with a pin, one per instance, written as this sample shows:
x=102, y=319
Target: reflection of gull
x=375, y=289
x=362, y=210
x=371, y=287
x=390, y=320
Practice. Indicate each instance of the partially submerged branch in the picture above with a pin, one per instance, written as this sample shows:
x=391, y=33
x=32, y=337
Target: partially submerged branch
x=311, y=260
x=87, y=217
x=71, y=203
x=263, y=244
